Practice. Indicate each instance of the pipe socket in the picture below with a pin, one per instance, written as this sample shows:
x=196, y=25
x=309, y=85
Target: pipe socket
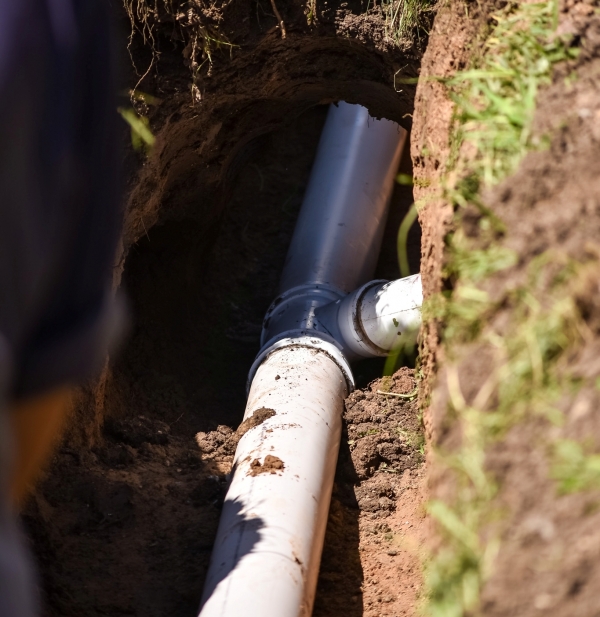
x=375, y=319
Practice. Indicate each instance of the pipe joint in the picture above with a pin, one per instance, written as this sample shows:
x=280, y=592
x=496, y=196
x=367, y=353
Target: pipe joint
x=372, y=321
x=388, y=315
x=376, y=318
x=342, y=319
x=320, y=342
x=295, y=309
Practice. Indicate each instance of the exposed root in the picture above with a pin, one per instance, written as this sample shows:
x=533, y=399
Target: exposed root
x=281, y=24
x=188, y=22
x=398, y=394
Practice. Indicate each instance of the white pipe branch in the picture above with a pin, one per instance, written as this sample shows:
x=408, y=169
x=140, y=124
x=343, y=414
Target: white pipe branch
x=268, y=547
x=389, y=313
x=375, y=319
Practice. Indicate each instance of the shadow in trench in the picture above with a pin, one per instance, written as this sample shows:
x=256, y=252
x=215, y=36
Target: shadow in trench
x=243, y=535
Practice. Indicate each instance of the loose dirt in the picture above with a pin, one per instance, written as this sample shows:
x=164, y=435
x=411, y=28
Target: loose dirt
x=124, y=522
x=224, y=440
x=271, y=464
x=371, y=559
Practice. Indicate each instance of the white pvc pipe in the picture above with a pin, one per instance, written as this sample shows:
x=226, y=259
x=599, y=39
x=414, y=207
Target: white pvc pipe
x=376, y=318
x=268, y=548
x=390, y=314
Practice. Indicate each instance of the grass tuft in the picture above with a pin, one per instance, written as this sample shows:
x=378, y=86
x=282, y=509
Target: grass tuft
x=573, y=469
x=406, y=19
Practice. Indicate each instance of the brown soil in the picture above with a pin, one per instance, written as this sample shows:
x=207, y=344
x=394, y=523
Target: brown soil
x=124, y=522
x=376, y=527
x=453, y=38
x=547, y=562
x=553, y=201
x=128, y=529
x=271, y=464
x=224, y=440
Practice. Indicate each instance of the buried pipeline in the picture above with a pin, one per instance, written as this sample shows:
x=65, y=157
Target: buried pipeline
x=328, y=313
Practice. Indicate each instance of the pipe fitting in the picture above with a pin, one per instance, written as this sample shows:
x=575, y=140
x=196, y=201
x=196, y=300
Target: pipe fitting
x=388, y=315
x=375, y=319
x=320, y=342
x=294, y=310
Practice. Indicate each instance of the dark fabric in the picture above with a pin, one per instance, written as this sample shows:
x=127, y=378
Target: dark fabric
x=18, y=597
x=58, y=222
x=18, y=593
x=58, y=184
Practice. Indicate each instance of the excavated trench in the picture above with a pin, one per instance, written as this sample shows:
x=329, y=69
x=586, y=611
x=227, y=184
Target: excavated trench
x=124, y=522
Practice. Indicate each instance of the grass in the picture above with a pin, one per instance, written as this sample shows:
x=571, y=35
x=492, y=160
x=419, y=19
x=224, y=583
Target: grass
x=142, y=138
x=528, y=379
x=402, y=242
x=495, y=102
x=406, y=19
x=573, y=468
x=414, y=439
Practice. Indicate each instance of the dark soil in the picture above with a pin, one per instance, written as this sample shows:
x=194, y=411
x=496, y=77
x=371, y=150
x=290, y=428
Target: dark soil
x=124, y=522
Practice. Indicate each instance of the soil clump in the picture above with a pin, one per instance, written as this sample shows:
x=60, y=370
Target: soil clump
x=271, y=464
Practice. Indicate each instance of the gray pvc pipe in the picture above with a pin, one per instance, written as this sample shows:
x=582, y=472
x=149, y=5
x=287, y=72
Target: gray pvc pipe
x=337, y=239
x=338, y=234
